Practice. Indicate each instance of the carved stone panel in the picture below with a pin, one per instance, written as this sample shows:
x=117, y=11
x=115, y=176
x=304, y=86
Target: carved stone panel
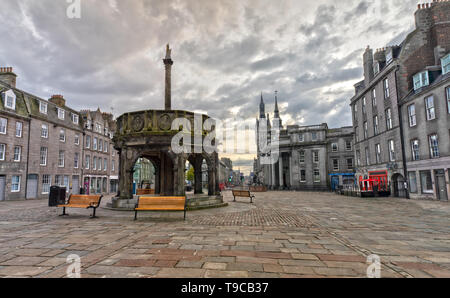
x=138, y=123
x=165, y=123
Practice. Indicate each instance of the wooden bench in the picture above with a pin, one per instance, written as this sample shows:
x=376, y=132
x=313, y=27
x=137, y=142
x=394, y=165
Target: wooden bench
x=82, y=201
x=145, y=191
x=160, y=204
x=243, y=194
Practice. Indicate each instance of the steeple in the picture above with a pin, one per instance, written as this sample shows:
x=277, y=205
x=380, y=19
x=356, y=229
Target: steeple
x=262, y=112
x=277, y=112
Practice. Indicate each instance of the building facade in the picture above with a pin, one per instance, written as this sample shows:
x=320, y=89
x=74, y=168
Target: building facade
x=42, y=144
x=310, y=157
x=401, y=111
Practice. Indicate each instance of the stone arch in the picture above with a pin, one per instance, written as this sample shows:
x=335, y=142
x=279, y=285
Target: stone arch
x=397, y=185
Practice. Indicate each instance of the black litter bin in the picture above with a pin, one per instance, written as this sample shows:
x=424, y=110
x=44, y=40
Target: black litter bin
x=57, y=196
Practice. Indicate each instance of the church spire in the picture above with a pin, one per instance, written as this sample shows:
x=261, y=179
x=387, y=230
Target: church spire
x=262, y=112
x=276, y=115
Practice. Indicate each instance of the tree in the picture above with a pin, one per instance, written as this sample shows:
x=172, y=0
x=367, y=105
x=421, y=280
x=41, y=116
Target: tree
x=190, y=175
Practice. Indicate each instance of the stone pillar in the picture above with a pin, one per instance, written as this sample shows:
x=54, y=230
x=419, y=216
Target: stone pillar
x=168, y=92
x=280, y=168
x=447, y=181
x=198, y=175
x=291, y=180
x=272, y=169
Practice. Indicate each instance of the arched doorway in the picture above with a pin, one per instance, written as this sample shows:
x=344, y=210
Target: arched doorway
x=398, y=186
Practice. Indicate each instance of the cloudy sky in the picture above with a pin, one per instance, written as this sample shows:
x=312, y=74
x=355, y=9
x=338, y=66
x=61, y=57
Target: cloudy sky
x=226, y=52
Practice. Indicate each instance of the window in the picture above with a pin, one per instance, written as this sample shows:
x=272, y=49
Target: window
x=412, y=115
x=46, y=181
x=316, y=175
x=44, y=131
x=100, y=145
x=378, y=153
x=356, y=134
x=367, y=157
x=388, y=119
x=364, y=105
x=75, y=118
x=66, y=183
x=350, y=164
x=434, y=146
x=17, y=153
x=10, y=100
x=348, y=145
x=62, y=135
x=420, y=80
x=113, y=166
x=314, y=136
x=302, y=175
x=61, y=159
x=58, y=180
x=412, y=182
x=76, y=160
x=415, y=150
x=61, y=114
x=43, y=156
x=88, y=161
x=43, y=107
x=386, y=89
x=389, y=56
x=105, y=165
x=447, y=91
x=376, y=67
x=391, y=150
x=374, y=97
x=94, y=163
x=334, y=147
x=336, y=164
x=366, y=133
x=3, y=125
x=358, y=158
x=77, y=139
x=113, y=153
x=106, y=147
x=15, y=184
x=88, y=142
x=315, y=157
x=94, y=145
x=445, y=62
x=426, y=182
x=375, y=125
x=99, y=163
x=2, y=151
x=89, y=124
x=302, y=156
x=19, y=127
x=429, y=105
x=301, y=138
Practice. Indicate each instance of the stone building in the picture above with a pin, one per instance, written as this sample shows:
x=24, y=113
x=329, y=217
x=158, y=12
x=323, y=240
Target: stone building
x=311, y=157
x=100, y=162
x=424, y=82
x=410, y=75
x=42, y=144
x=55, y=146
x=14, y=134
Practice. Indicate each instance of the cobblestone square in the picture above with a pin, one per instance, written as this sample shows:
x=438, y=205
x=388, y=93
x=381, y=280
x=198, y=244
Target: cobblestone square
x=283, y=234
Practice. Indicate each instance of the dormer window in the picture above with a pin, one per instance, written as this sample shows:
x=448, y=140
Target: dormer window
x=88, y=124
x=75, y=118
x=421, y=80
x=445, y=64
x=10, y=100
x=389, y=56
x=43, y=107
x=61, y=114
x=376, y=68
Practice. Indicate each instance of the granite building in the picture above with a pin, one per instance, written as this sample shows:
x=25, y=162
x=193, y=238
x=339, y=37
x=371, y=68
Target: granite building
x=311, y=157
x=400, y=109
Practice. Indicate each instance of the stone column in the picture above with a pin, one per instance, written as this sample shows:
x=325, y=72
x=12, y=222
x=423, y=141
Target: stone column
x=168, y=92
x=280, y=168
x=272, y=169
x=291, y=180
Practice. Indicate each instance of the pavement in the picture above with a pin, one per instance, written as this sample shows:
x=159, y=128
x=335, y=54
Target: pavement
x=283, y=234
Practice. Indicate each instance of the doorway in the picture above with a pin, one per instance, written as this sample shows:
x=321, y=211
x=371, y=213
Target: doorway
x=441, y=186
x=2, y=187
x=32, y=186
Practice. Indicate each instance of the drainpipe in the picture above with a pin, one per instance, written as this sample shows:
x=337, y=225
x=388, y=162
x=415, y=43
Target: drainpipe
x=28, y=159
x=405, y=172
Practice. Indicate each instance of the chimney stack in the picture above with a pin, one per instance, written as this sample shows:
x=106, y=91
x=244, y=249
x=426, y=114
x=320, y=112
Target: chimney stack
x=8, y=76
x=58, y=100
x=368, y=65
x=168, y=65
